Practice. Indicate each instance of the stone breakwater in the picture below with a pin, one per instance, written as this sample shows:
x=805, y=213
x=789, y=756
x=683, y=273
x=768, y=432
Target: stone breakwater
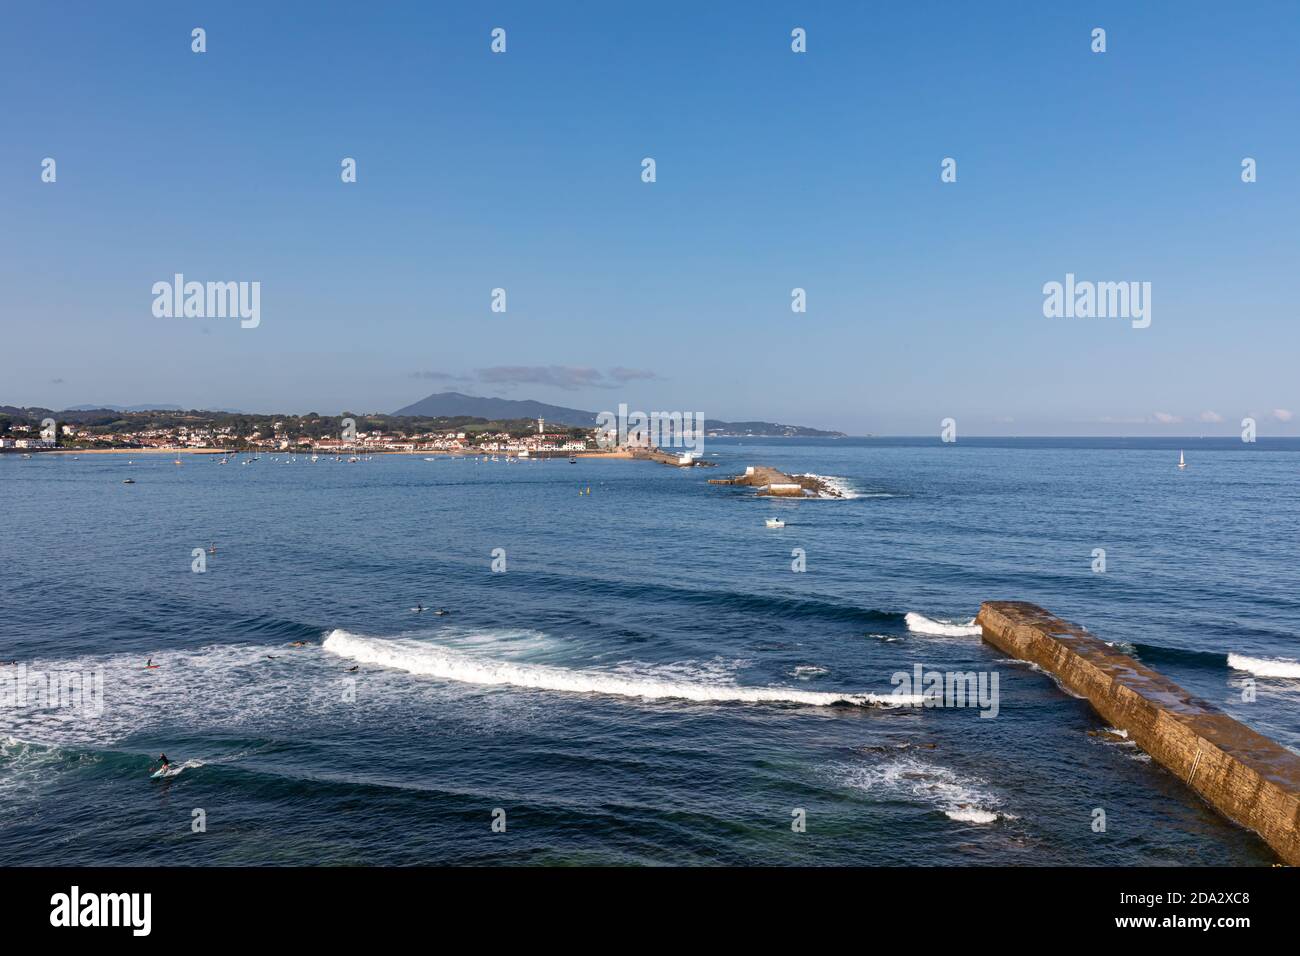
x=777, y=484
x=1248, y=778
x=666, y=458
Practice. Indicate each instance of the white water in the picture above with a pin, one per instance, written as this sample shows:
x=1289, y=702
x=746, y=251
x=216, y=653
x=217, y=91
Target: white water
x=839, y=485
x=920, y=624
x=232, y=688
x=1264, y=667
x=175, y=769
x=808, y=671
x=428, y=660
x=965, y=800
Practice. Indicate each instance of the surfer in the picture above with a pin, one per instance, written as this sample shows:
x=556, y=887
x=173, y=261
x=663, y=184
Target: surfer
x=419, y=608
x=354, y=668
x=441, y=611
x=149, y=664
x=212, y=549
x=164, y=762
x=298, y=644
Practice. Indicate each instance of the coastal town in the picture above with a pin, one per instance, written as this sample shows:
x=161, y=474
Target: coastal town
x=295, y=435
x=663, y=437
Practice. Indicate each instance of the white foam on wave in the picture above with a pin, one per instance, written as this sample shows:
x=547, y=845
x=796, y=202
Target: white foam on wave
x=1264, y=667
x=920, y=624
x=24, y=764
x=253, y=692
x=1046, y=673
x=839, y=486
x=428, y=660
x=1030, y=665
x=807, y=671
x=176, y=769
x=717, y=670
x=219, y=688
x=24, y=770
x=963, y=799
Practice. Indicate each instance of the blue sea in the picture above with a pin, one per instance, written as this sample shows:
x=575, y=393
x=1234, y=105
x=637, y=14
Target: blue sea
x=648, y=680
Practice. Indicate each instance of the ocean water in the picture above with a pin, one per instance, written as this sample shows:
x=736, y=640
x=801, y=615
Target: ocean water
x=649, y=681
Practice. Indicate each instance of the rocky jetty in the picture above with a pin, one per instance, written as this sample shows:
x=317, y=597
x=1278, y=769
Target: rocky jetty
x=777, y=484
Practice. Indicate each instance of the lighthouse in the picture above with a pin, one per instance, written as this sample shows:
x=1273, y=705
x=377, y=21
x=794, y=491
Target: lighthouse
x=541, y=425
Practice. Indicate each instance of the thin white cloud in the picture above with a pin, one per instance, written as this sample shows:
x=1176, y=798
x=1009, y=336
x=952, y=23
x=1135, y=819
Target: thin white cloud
x=1283, y=414
x=437, y=376
x=555, y=376
x=1164, y=418
x=1211, y=417
x=621, y=374
x=561, y=376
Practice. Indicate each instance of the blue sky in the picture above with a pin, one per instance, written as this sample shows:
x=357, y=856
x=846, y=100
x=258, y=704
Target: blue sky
x=775, y=170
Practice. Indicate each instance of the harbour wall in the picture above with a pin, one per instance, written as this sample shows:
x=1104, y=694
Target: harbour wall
x=1247, y=777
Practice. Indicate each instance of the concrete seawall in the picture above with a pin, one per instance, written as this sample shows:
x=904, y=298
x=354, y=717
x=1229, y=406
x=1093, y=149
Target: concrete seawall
x=1245, y=776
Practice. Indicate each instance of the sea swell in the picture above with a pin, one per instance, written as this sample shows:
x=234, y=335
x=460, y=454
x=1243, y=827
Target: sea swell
x=428, y=660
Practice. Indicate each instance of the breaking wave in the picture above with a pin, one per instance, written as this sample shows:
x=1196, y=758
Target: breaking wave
x=176, y=769
x=427, y=660
x=837, y=487
x=920, y=624
x=1264, y=667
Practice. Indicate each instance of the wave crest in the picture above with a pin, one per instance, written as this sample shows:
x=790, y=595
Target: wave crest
x=1264, y=667
x=428, y=660
x=920, y=624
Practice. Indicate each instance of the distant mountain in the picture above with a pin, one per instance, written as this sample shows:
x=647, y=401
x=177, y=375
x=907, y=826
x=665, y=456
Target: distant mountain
x=455, y=404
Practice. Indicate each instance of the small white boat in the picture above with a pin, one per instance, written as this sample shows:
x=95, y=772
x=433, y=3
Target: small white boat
x=775, y=523
x=1182, y=463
